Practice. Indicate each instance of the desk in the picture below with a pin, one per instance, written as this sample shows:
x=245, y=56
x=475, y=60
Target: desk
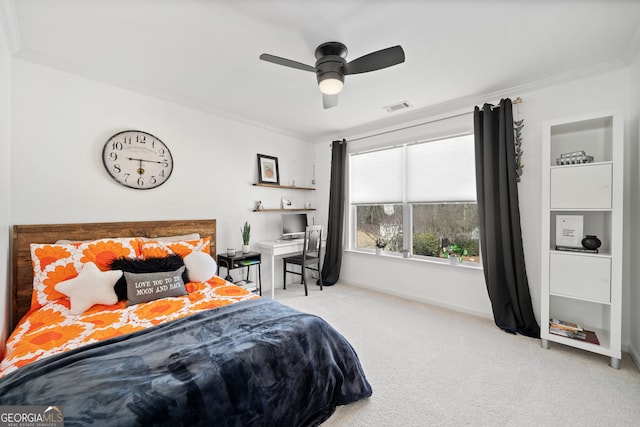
x=274, y=248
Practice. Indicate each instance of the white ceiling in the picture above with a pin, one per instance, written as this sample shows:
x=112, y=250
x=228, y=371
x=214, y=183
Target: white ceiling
x=204, y=53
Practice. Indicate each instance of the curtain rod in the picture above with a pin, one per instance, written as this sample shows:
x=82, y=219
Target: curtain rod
x=518, y=100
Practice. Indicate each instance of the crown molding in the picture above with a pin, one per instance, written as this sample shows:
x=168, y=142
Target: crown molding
x=10, y=27
x=632, y=52
x=455, y=106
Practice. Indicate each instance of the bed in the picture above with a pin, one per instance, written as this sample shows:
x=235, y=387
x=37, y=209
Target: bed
x=211, y=354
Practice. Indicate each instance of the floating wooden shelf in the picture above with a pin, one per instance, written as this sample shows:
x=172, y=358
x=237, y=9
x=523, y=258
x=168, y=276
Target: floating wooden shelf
x=283, y=210
x=289, y=187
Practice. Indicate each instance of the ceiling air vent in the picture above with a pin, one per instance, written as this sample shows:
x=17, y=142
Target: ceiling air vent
x=397, y=106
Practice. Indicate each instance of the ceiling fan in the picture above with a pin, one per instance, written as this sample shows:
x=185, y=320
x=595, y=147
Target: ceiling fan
x=331, y=66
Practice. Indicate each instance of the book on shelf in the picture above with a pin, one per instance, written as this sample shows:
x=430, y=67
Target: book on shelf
x=562, y=324
x=569, y=334
x=249, y=262
x=572, y=330
x=575, y=249
x=586, y=336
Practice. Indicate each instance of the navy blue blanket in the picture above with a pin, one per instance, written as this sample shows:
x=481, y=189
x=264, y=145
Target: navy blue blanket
x=255, y=362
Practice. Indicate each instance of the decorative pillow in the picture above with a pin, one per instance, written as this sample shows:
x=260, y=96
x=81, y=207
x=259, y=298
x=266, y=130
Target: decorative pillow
x=89, y=288
x=200, y=266
x=53, y=264
x=149, y=265
x=143, y=287
x=70, y=242
x=183, y=248
x=192, y=236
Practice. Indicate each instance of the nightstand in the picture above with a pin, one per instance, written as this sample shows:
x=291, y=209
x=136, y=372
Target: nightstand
x=242, y=260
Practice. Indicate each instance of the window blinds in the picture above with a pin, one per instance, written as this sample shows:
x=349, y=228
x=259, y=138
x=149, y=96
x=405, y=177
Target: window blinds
x=435, y=171
x=441, y=171
x=377, y=177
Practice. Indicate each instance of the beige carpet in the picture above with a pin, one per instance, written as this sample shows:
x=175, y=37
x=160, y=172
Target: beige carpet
x=429, y=366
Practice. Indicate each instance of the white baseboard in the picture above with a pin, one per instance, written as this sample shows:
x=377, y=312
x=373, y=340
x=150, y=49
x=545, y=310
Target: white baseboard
x=414, y=297
x=635, y=356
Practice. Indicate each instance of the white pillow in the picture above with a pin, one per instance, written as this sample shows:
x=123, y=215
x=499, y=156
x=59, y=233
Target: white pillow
x=200, y=266
x=177, y=238
x=192, y=236
x=91, y=286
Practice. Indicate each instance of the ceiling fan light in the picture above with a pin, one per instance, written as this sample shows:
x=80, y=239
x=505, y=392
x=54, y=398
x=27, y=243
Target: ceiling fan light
x=331, y=86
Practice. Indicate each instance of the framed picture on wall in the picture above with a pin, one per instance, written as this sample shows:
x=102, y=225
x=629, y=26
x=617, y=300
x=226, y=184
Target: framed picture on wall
x=268, y=172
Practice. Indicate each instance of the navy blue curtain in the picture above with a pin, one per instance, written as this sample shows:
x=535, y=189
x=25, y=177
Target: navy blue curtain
x=499, y=217
x=335, y=227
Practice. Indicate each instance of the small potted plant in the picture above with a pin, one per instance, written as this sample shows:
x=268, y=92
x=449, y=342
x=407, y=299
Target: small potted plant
x=380, y=245
x=455, y=253
x=246, y=233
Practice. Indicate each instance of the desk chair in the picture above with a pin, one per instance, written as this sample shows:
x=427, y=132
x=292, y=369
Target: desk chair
x=310, y=256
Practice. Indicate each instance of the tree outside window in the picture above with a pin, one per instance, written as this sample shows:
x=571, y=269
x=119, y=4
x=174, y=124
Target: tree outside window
x=376, y=222
x=437, y=226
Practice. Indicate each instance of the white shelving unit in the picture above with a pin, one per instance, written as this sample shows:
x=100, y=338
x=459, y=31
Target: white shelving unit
x=584, y=288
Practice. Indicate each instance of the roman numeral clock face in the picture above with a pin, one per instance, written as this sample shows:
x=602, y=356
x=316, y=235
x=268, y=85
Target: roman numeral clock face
x=137, y=159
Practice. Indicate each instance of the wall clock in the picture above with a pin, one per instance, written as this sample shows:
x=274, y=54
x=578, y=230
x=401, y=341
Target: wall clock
x=137, y=159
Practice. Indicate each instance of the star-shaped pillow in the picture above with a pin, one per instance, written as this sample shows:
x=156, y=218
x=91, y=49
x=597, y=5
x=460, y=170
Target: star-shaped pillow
x=90, y=287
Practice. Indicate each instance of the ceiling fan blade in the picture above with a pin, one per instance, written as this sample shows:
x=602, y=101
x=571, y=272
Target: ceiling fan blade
x=329, y=101
x=375, y=60
x=287, y=62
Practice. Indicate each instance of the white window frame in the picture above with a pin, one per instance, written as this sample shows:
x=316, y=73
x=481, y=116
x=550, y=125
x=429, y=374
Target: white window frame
x=407, y=219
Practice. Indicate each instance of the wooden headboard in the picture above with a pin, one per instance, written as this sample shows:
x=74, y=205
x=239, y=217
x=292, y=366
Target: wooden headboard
x=24, y=235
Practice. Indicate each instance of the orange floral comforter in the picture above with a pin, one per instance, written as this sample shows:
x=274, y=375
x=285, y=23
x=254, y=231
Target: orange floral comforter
x=51, y=329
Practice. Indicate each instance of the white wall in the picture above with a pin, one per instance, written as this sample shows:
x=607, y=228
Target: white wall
x=5, y=190
x=634, y=235
x=464, y=289
x=61, y=121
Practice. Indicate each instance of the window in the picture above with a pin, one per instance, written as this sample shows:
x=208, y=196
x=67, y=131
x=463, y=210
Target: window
x=438, y=225
x=418, y=196
x=379, y=221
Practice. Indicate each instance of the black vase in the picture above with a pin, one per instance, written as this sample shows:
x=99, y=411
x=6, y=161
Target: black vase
x=591, y=242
